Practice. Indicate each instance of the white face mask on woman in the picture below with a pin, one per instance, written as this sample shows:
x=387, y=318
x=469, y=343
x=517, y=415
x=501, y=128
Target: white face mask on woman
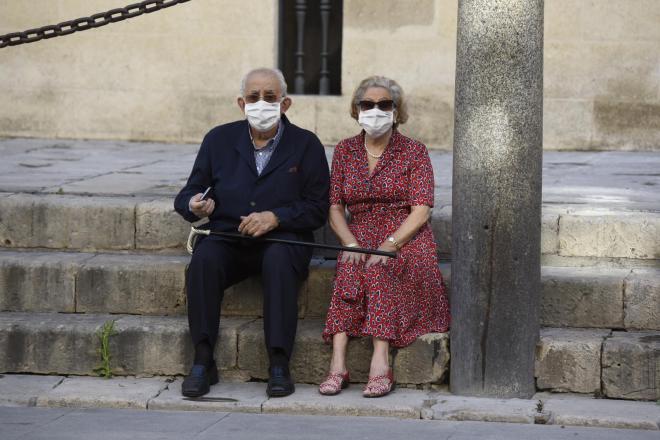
x=263, y=115
x=376, y=122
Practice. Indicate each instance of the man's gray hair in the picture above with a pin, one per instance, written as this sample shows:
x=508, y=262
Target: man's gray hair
x=277, y=73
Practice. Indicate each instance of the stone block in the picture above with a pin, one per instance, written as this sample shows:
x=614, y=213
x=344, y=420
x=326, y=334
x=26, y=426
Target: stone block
x=304, y=110
x=246, y=298
x=424, y=361
x=549, y=232
x=432, y=114
x=224, y=396
x=332, y=117
x=480, y=409
x=158, y=226
x=568, y=360
x=402, y=403
x=627, y=125
x=570, y=410
x=441, y=224
x=630, y=21
x=46, y=343
x=319, y=289
x=567, y=123
x=130, y=283
x=67, y=222
x=94, y=392
x=39, y=281
x=631, y=365
x=161, y=345
x=311, y=356
x=642, y=300
x=23, y=389
x=582, y=297
x=50, y=343
x=621, y=235
x=387, y=17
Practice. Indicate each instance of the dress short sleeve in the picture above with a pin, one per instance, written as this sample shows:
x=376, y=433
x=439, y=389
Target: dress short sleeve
x=337, y=177
x=421, y=177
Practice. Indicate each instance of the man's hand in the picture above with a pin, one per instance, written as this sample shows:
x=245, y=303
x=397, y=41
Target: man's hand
x=201, y=208
x=258, y=223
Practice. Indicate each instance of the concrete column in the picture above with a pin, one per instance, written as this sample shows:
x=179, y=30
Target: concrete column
x=497, y=197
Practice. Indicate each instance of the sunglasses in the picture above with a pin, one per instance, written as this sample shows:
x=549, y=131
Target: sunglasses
x=255, y=97
x=385, y=105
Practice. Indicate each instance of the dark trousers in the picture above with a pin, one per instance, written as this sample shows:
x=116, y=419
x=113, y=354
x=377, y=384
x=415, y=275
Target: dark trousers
x=217, y=265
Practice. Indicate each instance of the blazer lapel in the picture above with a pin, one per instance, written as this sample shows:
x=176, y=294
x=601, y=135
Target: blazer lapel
x=246, y=149
x=285, y=148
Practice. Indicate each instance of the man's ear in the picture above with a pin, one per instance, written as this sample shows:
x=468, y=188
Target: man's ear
x=286, y=103
x=241, y=103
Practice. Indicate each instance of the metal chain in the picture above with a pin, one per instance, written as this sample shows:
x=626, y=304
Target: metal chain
x=84, y=23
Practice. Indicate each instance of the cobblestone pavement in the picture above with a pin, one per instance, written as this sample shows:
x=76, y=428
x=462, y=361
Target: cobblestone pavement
x=164, y=394
x=618, y=180
x=117, y=424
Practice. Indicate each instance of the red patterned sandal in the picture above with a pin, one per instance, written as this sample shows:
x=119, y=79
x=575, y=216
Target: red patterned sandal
x=334, y=383
x=379, y=386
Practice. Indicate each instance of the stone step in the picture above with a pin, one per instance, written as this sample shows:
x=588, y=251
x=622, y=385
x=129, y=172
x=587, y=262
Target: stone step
x=163, y=393
x=613, y=364
x=57, y=343
x=149, y=284
x=59, y=221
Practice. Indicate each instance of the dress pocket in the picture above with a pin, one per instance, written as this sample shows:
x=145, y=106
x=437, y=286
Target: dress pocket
x=349, y=282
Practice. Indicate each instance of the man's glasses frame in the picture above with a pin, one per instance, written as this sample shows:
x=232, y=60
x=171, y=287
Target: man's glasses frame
x=268, y=97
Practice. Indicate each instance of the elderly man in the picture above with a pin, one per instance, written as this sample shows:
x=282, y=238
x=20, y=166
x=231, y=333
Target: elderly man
x=268, y=178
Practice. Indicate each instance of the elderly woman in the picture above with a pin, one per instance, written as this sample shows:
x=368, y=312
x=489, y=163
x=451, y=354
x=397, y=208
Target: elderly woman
x=385, y=181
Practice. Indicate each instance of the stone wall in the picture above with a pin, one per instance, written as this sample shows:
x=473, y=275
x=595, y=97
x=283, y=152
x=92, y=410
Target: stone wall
x=171, y=75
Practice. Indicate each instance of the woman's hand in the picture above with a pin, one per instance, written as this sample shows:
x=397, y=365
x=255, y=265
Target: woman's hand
x=352, y=257
x=381, y=259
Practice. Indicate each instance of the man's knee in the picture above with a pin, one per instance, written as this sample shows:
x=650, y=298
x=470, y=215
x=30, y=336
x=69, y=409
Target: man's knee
x=278, y=257
x=208, y=257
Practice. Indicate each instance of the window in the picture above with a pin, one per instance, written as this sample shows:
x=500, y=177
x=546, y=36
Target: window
x=310, y=45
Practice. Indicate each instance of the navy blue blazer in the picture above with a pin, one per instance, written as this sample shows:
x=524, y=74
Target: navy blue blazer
x=294, y=184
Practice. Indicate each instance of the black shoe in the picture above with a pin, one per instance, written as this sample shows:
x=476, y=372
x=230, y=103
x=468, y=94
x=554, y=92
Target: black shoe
x=280, y=383
x=199, y=381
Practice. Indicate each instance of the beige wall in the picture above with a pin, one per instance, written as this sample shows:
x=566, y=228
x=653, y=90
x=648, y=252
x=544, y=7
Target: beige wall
x=171, y=75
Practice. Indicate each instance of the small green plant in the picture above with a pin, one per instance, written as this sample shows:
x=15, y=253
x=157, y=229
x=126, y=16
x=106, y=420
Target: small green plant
x=104, y=333
x=60, y=191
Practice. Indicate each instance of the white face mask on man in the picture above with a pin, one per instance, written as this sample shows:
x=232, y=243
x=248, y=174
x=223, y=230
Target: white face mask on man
x=262, y=115
x=376, y=122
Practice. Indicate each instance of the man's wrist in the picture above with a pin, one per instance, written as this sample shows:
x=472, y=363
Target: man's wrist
x=277, y=219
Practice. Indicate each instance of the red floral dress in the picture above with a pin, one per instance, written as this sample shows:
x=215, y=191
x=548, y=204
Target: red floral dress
x=406, y=297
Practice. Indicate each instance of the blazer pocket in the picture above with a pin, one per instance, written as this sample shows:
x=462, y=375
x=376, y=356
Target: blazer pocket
x=288, y=183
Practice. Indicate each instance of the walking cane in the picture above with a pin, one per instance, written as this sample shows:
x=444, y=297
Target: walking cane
x=194, y=232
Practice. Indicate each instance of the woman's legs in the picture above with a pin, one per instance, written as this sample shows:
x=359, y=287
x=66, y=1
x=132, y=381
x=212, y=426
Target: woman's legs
x=338, y=361
x=380, y=360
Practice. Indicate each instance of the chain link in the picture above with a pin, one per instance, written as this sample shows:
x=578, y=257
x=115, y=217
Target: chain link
x=84, y=23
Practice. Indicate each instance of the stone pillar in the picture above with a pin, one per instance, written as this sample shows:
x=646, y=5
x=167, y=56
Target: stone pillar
x=496, y=229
